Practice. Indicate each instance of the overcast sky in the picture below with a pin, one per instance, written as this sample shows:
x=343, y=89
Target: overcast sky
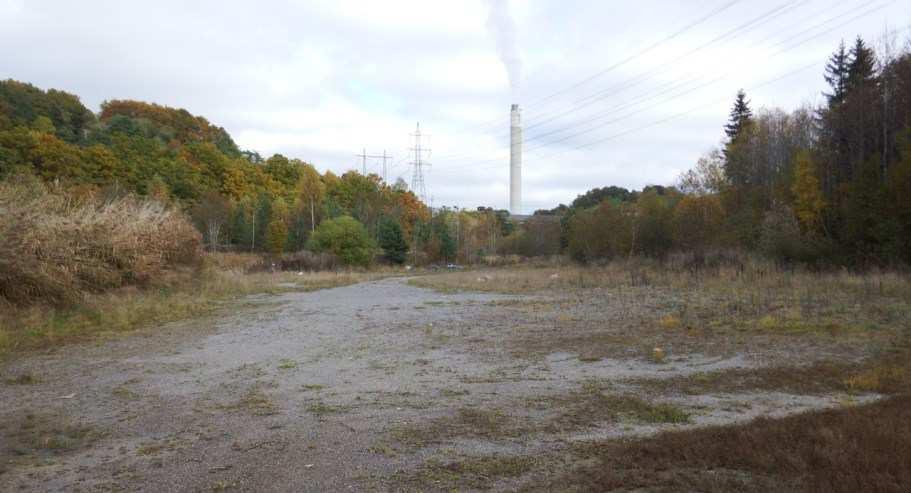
x=613, y=93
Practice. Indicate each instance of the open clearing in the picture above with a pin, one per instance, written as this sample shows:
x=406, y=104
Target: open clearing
x=503, y=380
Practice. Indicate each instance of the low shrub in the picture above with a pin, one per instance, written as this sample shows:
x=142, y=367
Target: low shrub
x=305, y=260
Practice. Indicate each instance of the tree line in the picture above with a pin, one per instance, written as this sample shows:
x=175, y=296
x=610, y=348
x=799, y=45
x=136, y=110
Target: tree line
x=238, y=199
x=827, y=185
x=823, y=185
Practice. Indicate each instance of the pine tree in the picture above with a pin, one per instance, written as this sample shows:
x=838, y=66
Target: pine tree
x=862, y=68
x=447, y=243
x=741, y=116
x=392, y=241
x=837, y=76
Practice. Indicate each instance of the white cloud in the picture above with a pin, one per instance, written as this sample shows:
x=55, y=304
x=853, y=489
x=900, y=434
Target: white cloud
x=320, y=80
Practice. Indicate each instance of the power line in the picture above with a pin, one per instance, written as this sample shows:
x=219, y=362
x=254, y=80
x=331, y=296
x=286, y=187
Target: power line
x=790, y=47
x=609, y=69
x=616, y=89
x=731, y=34
x=649, y=48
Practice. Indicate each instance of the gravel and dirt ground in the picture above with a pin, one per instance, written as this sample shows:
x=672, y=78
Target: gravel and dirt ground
x=387, y=385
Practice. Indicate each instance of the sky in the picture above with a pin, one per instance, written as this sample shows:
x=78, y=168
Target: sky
x=612, y=93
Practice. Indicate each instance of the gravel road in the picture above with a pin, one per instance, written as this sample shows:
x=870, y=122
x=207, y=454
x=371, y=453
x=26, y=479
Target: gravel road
x=291, y=392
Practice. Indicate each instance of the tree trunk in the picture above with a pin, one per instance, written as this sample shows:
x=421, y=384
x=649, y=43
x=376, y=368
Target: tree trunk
x=312, y=217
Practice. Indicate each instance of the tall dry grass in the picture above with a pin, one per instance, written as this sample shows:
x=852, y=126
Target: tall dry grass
x=55, y=249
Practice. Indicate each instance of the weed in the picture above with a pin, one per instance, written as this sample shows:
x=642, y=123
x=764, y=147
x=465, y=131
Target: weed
x=878, y=379
x=469, y=472
x=125, y=393
x=23, y=379
x=320, y=408
x=254, y=402
x=224, y=485
x=669, y=322
x=287, y=364
x=41, y=435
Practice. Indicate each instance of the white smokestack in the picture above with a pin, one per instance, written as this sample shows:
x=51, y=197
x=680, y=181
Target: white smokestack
x=515, y=161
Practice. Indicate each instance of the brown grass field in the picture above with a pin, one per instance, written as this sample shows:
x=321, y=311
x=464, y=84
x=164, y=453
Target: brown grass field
x=630, y=376
x=814, y=333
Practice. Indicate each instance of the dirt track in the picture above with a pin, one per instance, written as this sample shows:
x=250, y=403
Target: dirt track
x=324, y=391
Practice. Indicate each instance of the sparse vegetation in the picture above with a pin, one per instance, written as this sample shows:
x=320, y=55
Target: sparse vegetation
x=862, y=448
x=33, y=437
x=125, y=310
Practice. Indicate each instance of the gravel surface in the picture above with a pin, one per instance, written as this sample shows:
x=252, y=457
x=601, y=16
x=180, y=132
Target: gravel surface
x=302, y=392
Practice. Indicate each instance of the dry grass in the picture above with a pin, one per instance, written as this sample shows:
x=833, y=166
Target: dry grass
x=465, y=472
x=608, y=311
x=864, y=448
x=55, y=249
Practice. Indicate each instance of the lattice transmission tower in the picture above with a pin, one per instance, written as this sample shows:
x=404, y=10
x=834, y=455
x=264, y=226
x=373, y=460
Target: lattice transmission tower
x=417, y=178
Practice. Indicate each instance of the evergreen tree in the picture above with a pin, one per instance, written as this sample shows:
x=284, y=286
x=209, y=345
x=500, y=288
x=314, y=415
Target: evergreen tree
x=392, y=241
x=837, y=76
x=862, y=68
x=741, y=116
x=242, y=226
x=447, y=243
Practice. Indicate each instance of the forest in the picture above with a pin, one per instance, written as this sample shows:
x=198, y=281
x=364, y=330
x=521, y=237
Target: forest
x=821, y=186
x=827, y=185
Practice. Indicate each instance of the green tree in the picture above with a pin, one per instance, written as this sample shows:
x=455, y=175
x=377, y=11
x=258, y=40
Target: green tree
x=862, y=68
x=741, y=116
x=346, y=238
x=44, y=124
x=447, y=242
x=837, y=76
x=392, y=241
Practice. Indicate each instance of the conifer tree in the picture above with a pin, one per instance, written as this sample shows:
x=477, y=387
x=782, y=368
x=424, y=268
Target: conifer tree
x=741, y=116
x=862, y=68
x=392, y=241
x=837, y=76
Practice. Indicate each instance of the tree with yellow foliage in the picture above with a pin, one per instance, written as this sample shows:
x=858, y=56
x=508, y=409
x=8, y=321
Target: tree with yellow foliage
x=310, y=189
x=808, y=199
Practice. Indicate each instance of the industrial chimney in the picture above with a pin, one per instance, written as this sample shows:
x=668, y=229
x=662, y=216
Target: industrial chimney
x=515, y=161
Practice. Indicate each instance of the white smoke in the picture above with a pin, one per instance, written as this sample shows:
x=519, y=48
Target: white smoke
x=503, y=29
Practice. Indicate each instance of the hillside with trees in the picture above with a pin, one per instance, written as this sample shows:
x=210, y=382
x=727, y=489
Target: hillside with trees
x=828, y=185
x=237, y=199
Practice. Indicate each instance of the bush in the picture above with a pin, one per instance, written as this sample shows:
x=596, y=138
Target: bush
x=307, y=261
x=345, y=238
x=782, y=240
x=392, y=241
x=55, y=248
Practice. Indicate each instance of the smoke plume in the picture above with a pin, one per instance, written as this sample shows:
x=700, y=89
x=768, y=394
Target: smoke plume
x=503, y=29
